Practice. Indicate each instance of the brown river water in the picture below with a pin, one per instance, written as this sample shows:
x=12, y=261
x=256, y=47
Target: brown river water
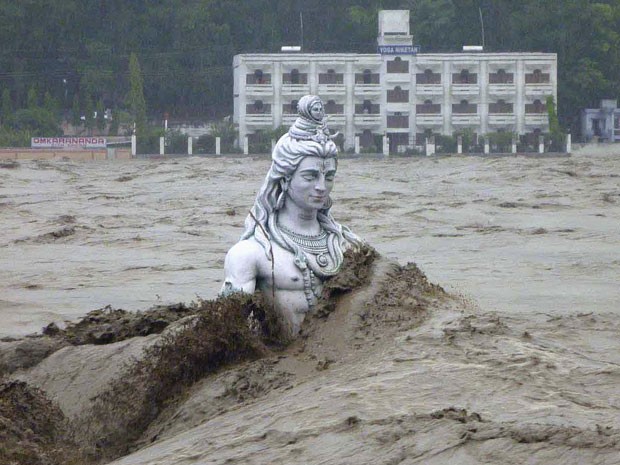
x=529, y=247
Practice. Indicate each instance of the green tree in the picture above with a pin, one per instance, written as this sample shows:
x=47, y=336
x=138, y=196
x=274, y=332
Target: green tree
x=89, y=112
x=33, y=99
x=101, y=123
x=135, y=99
x=75, y=111
x=50, y=103
x=7, y=105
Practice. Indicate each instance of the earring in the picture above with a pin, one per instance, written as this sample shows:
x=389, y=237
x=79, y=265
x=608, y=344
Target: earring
x=280, y=201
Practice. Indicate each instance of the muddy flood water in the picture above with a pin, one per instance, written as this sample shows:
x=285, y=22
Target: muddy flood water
x=522, y=364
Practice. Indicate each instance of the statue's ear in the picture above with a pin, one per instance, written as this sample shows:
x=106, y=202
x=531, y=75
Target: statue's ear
x=284, y=184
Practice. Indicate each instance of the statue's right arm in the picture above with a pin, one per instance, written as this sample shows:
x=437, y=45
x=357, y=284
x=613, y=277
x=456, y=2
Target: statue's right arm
x=241, y=268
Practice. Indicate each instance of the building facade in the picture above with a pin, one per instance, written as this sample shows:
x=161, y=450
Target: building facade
x=602, y=124
x=398, y=93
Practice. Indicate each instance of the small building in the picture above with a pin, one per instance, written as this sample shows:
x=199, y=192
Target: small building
x=602, y=124
x=398, y=92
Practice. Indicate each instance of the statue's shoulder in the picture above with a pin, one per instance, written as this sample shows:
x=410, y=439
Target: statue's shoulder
x=248, y=250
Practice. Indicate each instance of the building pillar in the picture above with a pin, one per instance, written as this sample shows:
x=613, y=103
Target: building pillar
x=459, y=145
x=276, y=82
x=446, y=79
x=349, y=106
x=430, y=146
x=313, y=78
x=218, y=146
x=487, y=149
x=161, y=145
x=357, y=145
x=541, y=144
x=190, y=148
x=412, y=100
x=514, y=144
x=520, y=97
x=386, y=146
x=133, y=145
x=483, y=82
x=569, y=145
x=246, y=145
x=242, y=103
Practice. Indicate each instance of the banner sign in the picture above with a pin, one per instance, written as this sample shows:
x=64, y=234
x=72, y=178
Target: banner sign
x=399, y=49
x=68, y=143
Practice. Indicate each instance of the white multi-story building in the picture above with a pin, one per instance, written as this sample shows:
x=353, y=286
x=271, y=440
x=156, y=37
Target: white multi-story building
x=398, y=92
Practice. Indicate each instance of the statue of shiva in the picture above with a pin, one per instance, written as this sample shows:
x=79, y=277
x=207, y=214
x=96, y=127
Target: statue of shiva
x=291, y=242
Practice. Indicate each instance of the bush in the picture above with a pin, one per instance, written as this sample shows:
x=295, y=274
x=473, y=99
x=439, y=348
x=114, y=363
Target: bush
x=12, y=138
x=205, y=144
x=445, y=144
x=501, y=141
x=176, y=142
x=147, y=142
x=39, y=121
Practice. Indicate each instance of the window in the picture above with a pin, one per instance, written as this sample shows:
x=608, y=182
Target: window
x=464, y=107
x=398, y=65
x=398, y=95
x=294, y=106
x=367, y=107
x=464, y=76
x=428, y=77
x=258, y=76
x=295, y=76
x=367, y=77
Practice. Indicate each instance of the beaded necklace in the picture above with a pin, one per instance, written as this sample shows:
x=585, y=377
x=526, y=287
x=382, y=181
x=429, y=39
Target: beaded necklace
x=313, y=244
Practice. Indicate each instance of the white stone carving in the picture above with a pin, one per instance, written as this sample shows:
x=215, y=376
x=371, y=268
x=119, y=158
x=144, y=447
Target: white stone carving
x=291, y=242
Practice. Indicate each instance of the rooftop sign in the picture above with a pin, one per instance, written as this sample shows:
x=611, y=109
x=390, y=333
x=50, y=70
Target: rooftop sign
x=399, y=49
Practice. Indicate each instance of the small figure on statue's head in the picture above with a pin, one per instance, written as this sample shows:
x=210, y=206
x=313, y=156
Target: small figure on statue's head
x=291, y=242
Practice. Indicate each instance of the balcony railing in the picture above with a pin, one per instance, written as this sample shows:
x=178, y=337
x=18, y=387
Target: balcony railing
x=397, y=121
x=467, y=120
x=295, y=89
x=429, y=89
x=465, y=89
x=367, y=119
x=502, y=120
x=429, y=120
x=502, y=89
x=536, y=119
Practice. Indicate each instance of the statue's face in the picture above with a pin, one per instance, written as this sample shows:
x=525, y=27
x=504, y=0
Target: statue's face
x=312, y=183
x=317, y=111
